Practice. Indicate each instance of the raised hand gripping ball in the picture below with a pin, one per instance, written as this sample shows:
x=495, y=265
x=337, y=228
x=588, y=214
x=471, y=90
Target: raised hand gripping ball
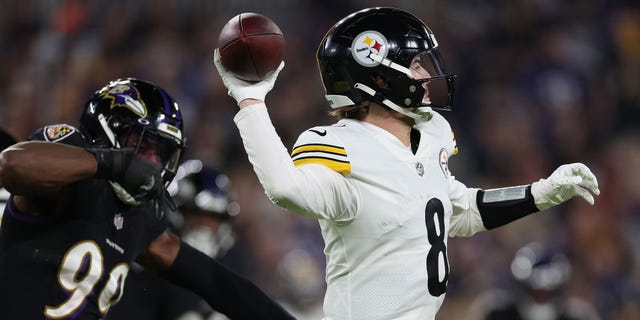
x=251, y=45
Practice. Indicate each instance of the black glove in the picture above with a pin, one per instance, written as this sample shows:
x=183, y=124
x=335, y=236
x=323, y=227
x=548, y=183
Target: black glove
x=140, y=178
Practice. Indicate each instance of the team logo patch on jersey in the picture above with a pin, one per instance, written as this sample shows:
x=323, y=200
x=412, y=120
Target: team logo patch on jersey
x=124, y=95
x=118, y=221
x=419, y=169
x=365, y=44
x=444, y=162
x=58, y=132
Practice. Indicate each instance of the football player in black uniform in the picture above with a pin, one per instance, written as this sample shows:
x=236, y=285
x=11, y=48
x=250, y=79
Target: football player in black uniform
x=87, y=202
x=6, y=140
x=204, y=220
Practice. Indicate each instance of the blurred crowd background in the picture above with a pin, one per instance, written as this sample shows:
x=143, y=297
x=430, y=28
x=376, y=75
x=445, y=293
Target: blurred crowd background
x=540, y=83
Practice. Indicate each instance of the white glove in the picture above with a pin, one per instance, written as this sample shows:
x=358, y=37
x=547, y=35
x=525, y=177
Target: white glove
x=240, y=89
x=565, y=183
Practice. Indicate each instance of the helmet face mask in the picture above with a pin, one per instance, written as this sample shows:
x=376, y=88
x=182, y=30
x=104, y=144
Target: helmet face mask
x=153, y=146
x=136, y=114
x=383, y=43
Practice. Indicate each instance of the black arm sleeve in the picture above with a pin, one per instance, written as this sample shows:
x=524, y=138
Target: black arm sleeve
x=224, y=290
x=502, y=206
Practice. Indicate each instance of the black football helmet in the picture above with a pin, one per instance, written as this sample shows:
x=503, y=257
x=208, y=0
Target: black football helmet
x=204, y=190
x=368, y=56
x=131, y=107
x=6, y=140
x=539, y=267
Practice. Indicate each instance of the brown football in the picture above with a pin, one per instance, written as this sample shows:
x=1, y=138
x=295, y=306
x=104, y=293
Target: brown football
x=251, y=45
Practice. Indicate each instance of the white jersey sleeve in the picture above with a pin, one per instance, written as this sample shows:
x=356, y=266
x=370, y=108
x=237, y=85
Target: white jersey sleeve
x=316, y=191
x=466, y=219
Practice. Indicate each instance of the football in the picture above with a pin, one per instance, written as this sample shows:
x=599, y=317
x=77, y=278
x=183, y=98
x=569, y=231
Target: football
x=251, y=45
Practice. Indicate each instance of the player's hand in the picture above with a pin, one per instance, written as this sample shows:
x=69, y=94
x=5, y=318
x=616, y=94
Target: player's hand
x=139, y=178
x=566, y=182
x=240, y=89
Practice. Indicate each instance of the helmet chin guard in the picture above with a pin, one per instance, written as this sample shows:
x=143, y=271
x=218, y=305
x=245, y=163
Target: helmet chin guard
x=423, y=113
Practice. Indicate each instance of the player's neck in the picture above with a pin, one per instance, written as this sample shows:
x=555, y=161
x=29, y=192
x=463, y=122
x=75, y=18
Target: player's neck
x=390, y=121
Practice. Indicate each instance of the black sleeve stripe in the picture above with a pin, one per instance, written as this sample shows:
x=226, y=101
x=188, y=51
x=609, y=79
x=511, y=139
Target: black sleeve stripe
x=320, y=159
x=318, y=151
x=319, y=148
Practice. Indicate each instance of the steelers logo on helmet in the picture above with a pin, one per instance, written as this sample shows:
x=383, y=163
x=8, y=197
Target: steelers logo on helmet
x=367, y=43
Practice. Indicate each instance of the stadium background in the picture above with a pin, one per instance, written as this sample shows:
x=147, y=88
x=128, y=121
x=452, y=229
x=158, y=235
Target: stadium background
x=540, y=83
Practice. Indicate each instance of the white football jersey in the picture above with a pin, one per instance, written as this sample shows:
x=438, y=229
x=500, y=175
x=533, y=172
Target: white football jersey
x=385, y=212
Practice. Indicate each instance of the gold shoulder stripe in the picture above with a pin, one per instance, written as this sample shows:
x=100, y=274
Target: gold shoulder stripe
x=319, y=148
x=335, y=165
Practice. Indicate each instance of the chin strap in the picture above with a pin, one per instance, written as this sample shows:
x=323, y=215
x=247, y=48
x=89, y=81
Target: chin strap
x=390, y=64
x=422, y=114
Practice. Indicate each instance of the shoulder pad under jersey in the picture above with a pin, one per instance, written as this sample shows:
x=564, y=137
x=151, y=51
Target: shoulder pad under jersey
x=59, y=133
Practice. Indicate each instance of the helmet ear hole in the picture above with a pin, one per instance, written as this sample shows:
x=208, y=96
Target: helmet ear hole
x=115, y=124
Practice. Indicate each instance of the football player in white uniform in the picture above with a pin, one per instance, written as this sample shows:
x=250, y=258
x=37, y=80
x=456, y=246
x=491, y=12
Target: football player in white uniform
x=377, y=180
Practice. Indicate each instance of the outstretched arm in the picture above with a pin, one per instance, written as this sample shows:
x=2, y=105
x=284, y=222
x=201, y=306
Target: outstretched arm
x=501, y=206
x=477, y=210
x=36, y=170
x=224, y=290
x=42, y=168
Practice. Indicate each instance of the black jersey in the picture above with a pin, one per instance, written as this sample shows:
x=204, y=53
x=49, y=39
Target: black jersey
x=147, y=297
x=72, y=262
